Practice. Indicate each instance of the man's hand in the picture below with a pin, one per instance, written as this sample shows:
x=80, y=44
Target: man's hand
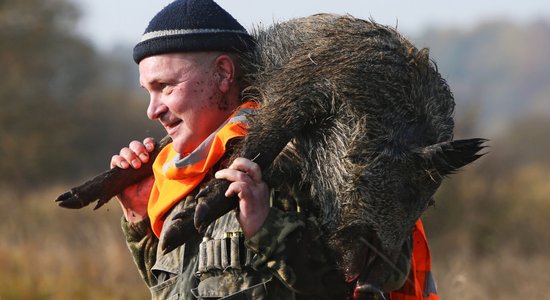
x=134, y=199
x=253, y=193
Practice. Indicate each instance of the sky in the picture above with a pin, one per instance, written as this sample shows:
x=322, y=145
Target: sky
x=108, y=23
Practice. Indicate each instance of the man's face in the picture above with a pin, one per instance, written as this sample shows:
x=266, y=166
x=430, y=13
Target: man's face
x=185, y=96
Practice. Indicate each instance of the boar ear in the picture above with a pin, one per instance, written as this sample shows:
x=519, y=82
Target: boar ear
x=448, y=157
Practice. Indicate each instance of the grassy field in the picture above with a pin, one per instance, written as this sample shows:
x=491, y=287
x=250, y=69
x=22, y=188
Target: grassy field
x=48, y=252
x=504, y=275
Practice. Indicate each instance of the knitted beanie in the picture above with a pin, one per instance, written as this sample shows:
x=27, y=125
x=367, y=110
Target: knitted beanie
x=192, y=25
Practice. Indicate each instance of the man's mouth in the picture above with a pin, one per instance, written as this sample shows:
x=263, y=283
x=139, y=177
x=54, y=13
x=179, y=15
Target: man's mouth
x=171, y=127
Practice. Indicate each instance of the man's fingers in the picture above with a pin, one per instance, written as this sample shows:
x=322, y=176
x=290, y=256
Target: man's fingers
x=247, y=166
x=131, y=157
x=241, y=182
x=135, y=155
x=119, y=161
x=237, y=188
x=234, y=176
x=140, y=150
x=253, y=192
x=149, y=144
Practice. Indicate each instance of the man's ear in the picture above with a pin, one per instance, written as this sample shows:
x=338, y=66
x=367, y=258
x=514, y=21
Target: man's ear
x=225, y=72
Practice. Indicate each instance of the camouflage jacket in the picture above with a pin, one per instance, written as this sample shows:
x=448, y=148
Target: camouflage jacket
x=286, y=259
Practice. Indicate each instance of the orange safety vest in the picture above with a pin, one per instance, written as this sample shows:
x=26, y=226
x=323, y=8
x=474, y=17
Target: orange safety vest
x=177, y=176
x=420, y=284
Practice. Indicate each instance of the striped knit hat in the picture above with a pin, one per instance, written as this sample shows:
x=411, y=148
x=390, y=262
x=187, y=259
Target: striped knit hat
x=192, y=25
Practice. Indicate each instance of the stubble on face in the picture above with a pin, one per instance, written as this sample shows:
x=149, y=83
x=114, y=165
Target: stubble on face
x=216, y=99
x=223, y=103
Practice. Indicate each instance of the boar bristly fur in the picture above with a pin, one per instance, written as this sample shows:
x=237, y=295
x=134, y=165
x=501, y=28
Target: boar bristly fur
x=353, y=111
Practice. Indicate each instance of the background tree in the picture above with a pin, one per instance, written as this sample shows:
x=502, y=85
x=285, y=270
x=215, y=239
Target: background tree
x=65, y=107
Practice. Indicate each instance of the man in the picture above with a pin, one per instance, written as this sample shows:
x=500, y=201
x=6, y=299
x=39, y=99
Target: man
x=189, y=64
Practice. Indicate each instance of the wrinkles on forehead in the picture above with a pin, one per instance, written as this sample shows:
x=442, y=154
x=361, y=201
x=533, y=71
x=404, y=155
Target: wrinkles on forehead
x=174, y=66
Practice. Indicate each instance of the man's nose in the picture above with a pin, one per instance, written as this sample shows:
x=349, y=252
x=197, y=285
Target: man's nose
x=156, y=108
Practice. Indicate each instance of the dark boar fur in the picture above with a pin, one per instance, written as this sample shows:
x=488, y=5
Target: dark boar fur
x=355, y=114
x=353, y=111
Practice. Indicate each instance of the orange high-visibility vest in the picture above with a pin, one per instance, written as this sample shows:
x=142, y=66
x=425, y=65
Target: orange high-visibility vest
x=420, y=284
x=177, y=176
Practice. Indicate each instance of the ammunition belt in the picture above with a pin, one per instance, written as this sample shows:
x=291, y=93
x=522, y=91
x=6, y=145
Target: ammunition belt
x=226, y=254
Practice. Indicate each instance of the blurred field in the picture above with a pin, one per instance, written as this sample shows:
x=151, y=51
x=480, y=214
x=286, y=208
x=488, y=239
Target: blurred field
x=48, y=252
x=494, y=243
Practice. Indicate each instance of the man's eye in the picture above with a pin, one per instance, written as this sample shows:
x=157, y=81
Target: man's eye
x=166, y=88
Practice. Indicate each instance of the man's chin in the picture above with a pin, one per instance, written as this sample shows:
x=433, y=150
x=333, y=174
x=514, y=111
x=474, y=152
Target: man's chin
x=177, y=146
x=181, y=145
